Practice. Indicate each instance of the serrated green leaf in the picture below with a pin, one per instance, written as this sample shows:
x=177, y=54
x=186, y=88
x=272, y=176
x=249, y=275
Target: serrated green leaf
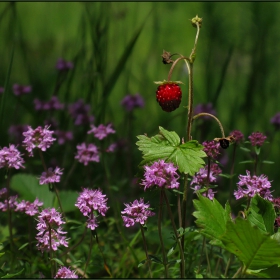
x=262, y=214
x=256, y=249
x=253, y=247
x=166, y=146
x=171, y=136
x=211, y=216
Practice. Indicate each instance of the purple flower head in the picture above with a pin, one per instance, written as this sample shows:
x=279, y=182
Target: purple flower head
x=53, y=104
x=130, y=102
x=136, y=212
x=161, y=174
x=211, y=148
x=200, y=179
x=65, y=272
x=29, y=208
x=85, y=153
x=37, y=138
x=205, y=108
x=50, y=218
x=257, y=139
x=20, y=90
x=11, y=158
x=63, y=65
x=275, y=120
x=89, y=201
x=51, y=176
x=1, y=90
x=15, y=131
x=12, y=203
x=80, y=113
x=63, y=136
x=101, y=131
x=238, y=136
x=276, y=202
x=254, y=185
x=3, y=192
x=210, y=194
x=112, y=148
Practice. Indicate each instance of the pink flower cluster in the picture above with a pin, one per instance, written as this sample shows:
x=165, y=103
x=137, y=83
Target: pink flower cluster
x=11, y=158
x=50, y=230
x=65, y=272
x=253, y=185
x=51, y=176
x=89, y=201
x=161, y=174
x=37, y=138
x=136, y=212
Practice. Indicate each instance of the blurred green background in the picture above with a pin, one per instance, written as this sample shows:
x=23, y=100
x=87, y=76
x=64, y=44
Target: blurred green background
x=236, y=67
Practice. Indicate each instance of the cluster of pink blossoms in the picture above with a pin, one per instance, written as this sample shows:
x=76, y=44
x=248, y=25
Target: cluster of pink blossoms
x=101, y=131
x=37, y=138
x=136, y=212
x=10, y=157
x=30, y=209
x=51, y=176
x=253, y=185
x=89, y=201
x=161, y=174
x=201, y=179
x=65, y=272
x=50, y=219
x=211, y=148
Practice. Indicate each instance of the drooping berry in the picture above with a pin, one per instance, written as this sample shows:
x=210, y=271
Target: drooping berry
x=169, y=96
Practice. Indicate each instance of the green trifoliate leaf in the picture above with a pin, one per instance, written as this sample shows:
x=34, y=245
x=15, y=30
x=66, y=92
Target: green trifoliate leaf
x=166, y=145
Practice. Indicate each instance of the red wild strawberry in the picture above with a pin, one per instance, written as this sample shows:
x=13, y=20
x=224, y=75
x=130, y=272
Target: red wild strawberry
x=169, y=96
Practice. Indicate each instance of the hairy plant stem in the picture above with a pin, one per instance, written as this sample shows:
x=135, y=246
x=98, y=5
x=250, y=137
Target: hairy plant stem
x=146, y=250
x=182, y=266
x=212, y=116
x=231, y=174
x=190, y=112
x=164, y=258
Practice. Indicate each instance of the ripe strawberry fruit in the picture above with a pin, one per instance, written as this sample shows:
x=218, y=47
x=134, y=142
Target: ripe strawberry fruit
x=169, y=96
